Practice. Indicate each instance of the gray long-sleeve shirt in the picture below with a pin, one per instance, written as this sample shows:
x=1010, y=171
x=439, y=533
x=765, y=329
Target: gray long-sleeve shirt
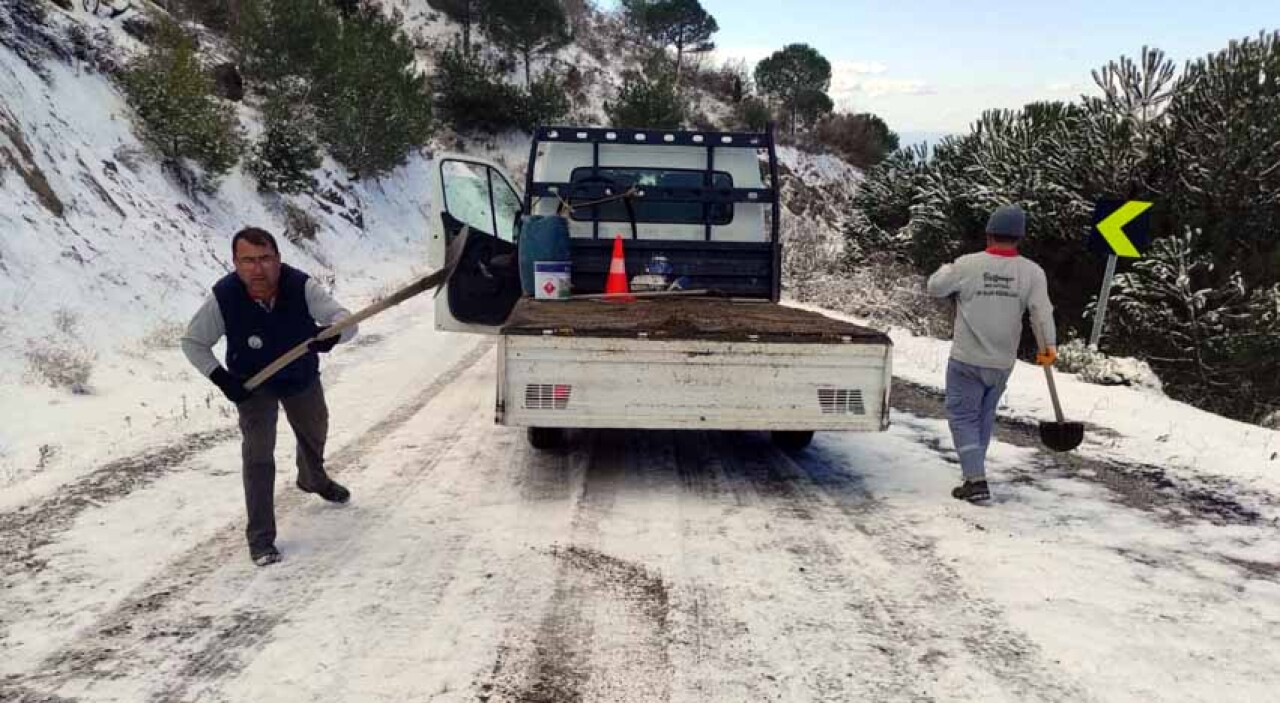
x=991, y=293
x=207, y=326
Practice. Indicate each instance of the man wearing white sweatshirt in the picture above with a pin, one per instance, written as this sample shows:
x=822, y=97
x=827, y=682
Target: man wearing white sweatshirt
x=991, y=289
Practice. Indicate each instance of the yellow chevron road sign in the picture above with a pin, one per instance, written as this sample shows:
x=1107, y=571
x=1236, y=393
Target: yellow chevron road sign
x=1120, y=227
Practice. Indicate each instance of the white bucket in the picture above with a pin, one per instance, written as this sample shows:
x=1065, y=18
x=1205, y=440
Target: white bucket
x=551, y=279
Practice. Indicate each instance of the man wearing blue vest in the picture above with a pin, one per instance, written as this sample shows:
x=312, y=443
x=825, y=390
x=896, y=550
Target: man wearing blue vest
x=991, y=289
x=265, y=308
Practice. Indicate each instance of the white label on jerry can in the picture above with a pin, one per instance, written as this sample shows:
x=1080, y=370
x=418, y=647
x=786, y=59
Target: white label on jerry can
x=551, y=279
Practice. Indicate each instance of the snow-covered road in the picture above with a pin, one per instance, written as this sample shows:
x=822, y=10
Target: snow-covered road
x=654, y=566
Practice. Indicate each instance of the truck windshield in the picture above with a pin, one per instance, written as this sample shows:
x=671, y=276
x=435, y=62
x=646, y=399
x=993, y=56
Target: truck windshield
x=652, y=211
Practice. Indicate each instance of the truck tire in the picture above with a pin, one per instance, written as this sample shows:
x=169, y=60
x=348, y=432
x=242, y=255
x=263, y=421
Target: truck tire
x=546, y=437
x=792, y=440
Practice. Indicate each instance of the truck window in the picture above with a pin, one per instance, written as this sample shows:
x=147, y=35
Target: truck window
x=477, y=196
x=652, y=211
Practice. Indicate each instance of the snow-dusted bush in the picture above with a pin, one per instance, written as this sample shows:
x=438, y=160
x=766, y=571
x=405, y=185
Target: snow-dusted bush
x=66, y=321
x=751, y=114
x=1271, y=420
x=166, y=334
x=863, y=139
x=1094, y=366
x=299, y=225
x=60, y=363
x=881, y=291
x=1213, y=337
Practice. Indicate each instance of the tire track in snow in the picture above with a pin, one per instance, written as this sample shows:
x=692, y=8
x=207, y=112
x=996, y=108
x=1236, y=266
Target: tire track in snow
x=940, y=608
x=154, y=626
x=29, y=528
x=874, y=634
x=599, y=604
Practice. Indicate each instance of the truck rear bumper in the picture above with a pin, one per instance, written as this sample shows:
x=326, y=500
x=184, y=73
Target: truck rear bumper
x=582, y=382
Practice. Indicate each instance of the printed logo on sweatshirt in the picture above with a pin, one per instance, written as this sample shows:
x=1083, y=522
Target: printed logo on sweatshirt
x=997, y=285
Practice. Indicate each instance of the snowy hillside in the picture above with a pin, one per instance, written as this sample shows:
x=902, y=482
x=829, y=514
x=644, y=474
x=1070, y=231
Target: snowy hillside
x=104, y=257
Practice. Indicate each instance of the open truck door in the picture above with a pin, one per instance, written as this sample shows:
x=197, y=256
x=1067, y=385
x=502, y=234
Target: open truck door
x=486, y=284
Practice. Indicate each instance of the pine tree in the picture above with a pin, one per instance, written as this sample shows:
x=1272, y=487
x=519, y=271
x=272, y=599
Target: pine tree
x=466, y=13
x=684, y=24
x=277, y=39
x=647, y=104
x=373, y=106
x=792, y=75
x=287, y=153
x=812, y=106
x=1210, y=337
x=528, y=28
x=471, y=95
x=178, y=112
x=544, y=103
x=1225, y=139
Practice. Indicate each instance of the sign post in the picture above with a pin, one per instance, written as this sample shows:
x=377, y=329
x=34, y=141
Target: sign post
x=1110, y=217
x=1100, y=314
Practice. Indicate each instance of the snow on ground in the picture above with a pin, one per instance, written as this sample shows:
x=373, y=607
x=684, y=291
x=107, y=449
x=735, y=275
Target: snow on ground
x=636, y=566
x=820, y=169
x=1137, y=425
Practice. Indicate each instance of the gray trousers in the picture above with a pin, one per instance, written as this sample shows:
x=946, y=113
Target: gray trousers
x=973, y=393
x=309, y=417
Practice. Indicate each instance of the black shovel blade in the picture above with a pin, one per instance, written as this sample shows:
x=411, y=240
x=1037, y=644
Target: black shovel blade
x=1062, y=436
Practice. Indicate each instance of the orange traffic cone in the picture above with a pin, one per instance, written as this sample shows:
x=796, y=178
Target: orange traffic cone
x=616, y=284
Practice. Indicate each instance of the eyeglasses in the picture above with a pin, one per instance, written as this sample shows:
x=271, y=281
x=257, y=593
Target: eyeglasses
x=251, y=261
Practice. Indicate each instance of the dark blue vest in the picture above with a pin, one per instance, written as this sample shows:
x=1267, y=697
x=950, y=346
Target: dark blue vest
x=256, y=337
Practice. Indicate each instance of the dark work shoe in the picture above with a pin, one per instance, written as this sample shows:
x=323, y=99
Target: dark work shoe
x=972, y=491
x=265, y=557
x=332, y=491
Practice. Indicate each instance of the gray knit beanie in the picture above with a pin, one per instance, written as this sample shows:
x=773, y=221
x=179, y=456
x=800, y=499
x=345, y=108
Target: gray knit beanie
x=1008, y=221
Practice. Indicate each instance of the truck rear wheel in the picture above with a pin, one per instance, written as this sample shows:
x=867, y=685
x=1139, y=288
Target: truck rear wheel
x=546, y=437
x=792, y=440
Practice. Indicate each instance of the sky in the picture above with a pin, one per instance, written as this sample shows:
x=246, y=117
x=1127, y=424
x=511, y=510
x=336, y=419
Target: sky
x=932, y=66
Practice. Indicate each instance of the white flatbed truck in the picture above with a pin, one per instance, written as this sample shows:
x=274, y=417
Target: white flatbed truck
x=738, y=360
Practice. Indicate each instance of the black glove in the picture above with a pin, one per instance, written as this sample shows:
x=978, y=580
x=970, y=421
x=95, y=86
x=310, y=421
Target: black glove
x=323, y=346
x=230, y=385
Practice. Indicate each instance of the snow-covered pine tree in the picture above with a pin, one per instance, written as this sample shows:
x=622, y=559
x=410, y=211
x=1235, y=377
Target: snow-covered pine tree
x=1212, y=340
x=178, y=112
x=283, y=159
x=883, y=205
x=1226, y=130
x=373, y=104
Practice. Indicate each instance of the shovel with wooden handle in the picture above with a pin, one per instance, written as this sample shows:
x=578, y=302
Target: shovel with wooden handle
x=1060, y=436
x=435, y=279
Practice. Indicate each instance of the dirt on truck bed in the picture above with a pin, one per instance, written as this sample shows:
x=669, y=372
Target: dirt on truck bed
x=685, y=318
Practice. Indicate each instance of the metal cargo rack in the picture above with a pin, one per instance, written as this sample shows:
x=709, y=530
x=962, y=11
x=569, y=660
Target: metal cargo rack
x=747, y=269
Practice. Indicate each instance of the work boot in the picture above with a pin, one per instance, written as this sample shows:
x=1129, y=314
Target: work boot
x=972, y=491
x=265, y=557
x=331, y=491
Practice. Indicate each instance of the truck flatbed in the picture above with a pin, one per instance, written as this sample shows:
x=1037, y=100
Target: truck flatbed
x=685, y=318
